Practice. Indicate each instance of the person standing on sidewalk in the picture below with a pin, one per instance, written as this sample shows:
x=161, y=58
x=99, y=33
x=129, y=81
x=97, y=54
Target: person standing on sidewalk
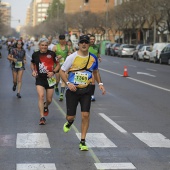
x=80, y=66
x=44, y=66
x=17, y=57
x=94, y=49
x=62, y=51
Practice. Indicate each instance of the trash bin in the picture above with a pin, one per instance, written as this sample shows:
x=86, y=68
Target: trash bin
x=103, y=47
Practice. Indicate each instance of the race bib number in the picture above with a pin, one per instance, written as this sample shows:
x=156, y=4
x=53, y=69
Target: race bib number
x=80, y=78
x=18, y=64
x=51, y=81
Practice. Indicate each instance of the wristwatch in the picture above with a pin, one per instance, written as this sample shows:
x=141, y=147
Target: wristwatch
x=67, y=82
x=54, y=72
x=100, y=84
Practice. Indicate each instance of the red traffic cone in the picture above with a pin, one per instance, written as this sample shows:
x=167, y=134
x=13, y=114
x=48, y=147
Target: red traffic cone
x=125, y=74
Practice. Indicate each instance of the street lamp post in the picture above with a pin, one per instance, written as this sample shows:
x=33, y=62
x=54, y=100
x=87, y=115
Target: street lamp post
x=107, y=15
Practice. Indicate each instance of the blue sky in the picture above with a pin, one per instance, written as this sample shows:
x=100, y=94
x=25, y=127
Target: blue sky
x=18, y=11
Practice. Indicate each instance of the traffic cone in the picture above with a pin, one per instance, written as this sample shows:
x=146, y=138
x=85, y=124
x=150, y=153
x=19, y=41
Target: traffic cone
x=125, y=74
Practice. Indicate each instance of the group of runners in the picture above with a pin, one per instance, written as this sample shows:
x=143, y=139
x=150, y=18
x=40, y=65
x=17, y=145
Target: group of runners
x=76, y=70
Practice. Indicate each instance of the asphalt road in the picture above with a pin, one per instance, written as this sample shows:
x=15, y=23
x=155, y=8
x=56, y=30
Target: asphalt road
x=129, y=127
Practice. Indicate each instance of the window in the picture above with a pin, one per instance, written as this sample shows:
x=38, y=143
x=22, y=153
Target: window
x=107, y=1
x=86, y=1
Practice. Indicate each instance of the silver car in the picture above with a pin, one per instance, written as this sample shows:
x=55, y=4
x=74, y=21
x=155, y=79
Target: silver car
x=126, y=50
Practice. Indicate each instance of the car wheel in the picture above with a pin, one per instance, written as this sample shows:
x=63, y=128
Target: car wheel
x=169, y=61
x=143, y=59
x=154, y=60
x=160, y=61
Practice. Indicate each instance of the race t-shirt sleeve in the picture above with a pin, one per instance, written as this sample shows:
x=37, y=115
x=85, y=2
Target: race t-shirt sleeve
x=68, y=62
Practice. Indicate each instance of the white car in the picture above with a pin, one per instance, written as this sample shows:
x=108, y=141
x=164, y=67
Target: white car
x=156, y=51
x=144, y=53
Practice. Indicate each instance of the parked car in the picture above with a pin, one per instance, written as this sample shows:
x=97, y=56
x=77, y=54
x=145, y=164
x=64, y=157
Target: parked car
x=1, y=44
x=144, y=53
x=155, y=53
x=135, y=53
x=126, y=50
x=114, y=49
x=165, y=55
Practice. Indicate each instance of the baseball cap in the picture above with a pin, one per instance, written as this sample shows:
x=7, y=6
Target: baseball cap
x=61, y=37
x=84, y=38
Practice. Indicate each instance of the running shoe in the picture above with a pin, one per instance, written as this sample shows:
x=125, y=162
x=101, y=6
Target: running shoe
x=56, y=90
x=66, y=127
x=61, y=97
x=14, y=87
x=18, y=95
x=93, y=98
x=83, y=146
x=42, y=121
x=46, y=111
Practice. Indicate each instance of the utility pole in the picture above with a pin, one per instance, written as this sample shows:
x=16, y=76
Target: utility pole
x=154, y=30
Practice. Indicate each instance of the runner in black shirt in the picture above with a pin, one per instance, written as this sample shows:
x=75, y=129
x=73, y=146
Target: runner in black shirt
x=44, y=66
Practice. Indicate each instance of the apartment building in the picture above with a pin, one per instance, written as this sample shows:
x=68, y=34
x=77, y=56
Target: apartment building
x=119, y=2
x=73, y=6
x=5, y=9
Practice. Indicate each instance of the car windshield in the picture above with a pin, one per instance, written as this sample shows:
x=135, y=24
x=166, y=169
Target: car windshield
x=129, y=46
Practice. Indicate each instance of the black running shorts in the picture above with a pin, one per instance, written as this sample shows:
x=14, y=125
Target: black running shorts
x=72, y=100
x=43, y=82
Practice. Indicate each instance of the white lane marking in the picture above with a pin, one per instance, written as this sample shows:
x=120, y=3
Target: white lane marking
x=147, y=74
x=154, y=139
x=124, y=165
x=47, y=166
x=112, y=123
x=151, y=69
x=132, y=66
x=110, y=72
x=97, y=140
x=32, y=140
x=158, y=87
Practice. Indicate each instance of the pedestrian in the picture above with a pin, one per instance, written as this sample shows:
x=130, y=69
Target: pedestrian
x=80, y=66
x=50, y=45
x=61, y=49
x=70, y=47
x=44, y=66
x=17, y=57
x=94, y=49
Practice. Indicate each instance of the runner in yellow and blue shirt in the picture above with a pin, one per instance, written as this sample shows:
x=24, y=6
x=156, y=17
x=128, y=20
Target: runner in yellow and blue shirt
x=80, y=66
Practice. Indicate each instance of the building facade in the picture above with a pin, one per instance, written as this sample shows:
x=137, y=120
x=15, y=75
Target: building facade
x=5, y=9
x=73, y=6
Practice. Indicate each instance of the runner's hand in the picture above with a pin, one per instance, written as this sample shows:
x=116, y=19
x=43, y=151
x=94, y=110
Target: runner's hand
x=72, y=87
x=50, y=74
x=34, y=73
x=102, y=89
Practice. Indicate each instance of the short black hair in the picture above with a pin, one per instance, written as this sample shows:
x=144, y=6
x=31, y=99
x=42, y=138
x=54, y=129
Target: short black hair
x=62, y=37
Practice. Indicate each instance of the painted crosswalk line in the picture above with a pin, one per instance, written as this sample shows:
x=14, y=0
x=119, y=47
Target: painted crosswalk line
x=47, y=166
x=153, y=139
x=115, y=166
x=32, y=140
x=97, y=140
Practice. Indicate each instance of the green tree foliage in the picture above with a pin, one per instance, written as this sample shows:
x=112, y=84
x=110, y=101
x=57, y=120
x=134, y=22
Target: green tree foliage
x=56, y=9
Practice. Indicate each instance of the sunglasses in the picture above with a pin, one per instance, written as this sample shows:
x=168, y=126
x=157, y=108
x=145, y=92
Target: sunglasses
x=82, y=42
